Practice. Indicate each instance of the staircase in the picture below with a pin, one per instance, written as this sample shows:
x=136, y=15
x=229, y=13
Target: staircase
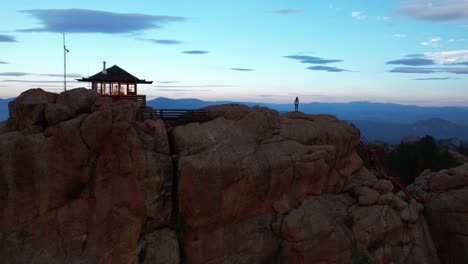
x=383, y=171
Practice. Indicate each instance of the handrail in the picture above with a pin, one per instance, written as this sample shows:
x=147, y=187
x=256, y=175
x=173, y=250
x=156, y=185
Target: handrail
x=173, y=114
x=384, y=172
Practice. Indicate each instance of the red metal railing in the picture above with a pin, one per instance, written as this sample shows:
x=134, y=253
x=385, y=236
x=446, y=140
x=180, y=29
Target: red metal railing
x=384, y=172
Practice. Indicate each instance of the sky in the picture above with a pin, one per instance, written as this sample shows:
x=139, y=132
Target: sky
x=408, y=52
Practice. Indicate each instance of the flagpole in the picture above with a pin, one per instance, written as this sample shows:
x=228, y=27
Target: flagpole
x=65, y=51
x=64, y=64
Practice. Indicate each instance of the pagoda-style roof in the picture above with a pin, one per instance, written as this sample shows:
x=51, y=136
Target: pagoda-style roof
x=114, y=74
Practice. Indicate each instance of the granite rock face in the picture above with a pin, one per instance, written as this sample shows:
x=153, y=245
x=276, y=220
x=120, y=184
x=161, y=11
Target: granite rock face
x=82, y=181
x=259, y=187
x=446, y=210
x=81, y=189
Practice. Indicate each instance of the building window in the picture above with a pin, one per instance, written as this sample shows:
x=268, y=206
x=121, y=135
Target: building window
x=115, y=89
x=106, y=88
x=131, y=88
x=99, y=88
x=123, y=88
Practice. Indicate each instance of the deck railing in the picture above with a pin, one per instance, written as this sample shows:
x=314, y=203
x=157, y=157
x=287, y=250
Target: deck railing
x=140, y=99
x=174, y=115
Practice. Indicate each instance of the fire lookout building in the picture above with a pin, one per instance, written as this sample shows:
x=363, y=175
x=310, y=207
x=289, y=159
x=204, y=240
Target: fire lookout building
x=117, y=84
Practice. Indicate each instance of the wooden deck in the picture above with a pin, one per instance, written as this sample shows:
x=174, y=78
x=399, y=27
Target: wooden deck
x=140, y=99
x=174, y=116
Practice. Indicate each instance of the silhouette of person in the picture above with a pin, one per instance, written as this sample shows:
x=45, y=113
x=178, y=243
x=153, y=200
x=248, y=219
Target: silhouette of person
x=296, y=104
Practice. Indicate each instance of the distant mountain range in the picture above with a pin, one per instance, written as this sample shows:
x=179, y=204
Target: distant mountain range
x=377, y=121
x=394, y=132
x=389, y=113
x=4, y=108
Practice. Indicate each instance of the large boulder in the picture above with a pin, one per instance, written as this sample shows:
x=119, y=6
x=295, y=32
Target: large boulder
x=27, y=112
x=445, y=194
x=56, y=113
x=79, y=100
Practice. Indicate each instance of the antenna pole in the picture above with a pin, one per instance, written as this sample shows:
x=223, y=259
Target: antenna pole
x=64, y=64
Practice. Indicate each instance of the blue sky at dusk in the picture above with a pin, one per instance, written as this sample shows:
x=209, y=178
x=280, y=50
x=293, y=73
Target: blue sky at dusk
x=409, y=52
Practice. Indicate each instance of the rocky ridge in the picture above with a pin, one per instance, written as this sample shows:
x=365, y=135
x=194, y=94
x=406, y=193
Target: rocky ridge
x=85, y=182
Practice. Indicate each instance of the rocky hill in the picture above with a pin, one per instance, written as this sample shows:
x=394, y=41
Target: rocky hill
x=83, y=181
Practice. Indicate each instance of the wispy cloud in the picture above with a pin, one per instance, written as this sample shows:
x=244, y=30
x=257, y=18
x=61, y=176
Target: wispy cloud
x=183, y=90
x=451, y=56
x=241, y=69
x=18, y=74
x=383, y=18
x=71, y=75
x=431, y=42
x=15, y=74
x=358, y=15
x=435, y=79
x=3, y=62
x=312, y=60
x=94, y=21
x=193, y=86
x=38, y=81
x=465, y=63
x=399, y=36
x=326, y=68
x=317, y=60
x=195, y=52
x=7, y=38
x=286, y=11
x=424, y=70
x=440, y=11
x=169, y=82
x=412, y=62
x=164, y=41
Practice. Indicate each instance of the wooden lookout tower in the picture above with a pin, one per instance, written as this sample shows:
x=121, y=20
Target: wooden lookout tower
x=116, y=83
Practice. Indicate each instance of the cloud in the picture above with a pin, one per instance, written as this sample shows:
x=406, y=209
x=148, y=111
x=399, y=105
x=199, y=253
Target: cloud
x=326, y=68
x=448, y=56
x=3, y=62
x=414, y=55
x=443, y=10
x=358, y=15
x=195, y=52
x=94, y=21
x=7, y=38
x=412, y=62
x=399, y=36
x=459, y=63
x=182, y=90
x=435, y=79
x=38, y=81
x=287, y=11
x=431, y=42
x=168, y=82
x=15, y=74
x=312, y=60
x=193, y=86
x=164, y=41
x=71, y=75
x=241, y=69
x=423, y=70
x=382, y=18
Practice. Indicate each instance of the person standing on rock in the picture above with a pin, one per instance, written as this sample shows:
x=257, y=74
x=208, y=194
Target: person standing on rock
x=296, y=104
